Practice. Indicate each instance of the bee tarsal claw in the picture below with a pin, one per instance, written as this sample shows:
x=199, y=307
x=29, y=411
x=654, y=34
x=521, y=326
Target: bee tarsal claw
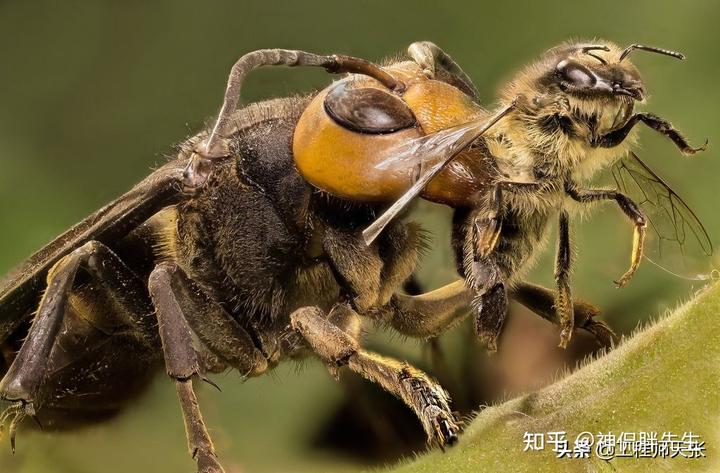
x=487, y=233
x=602, y=332
x=624, y=279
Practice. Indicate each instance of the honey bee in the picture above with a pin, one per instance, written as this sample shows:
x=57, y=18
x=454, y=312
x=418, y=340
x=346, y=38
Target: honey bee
x=561, y=120
x=274, y=231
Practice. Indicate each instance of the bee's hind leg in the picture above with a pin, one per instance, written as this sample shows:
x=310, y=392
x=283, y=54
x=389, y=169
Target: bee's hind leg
x=563, y=266
x=541, y=300
x=337, y=348
x=490, y=303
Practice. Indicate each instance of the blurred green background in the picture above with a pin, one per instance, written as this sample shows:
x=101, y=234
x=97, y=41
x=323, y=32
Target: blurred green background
x=95, y=93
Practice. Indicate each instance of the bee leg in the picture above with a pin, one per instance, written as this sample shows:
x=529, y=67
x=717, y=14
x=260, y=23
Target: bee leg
x=487, y=232
x=563, y=263
x=542, y=301
x=426, y=315
x=23, y=381
x=658, y=124
x=426, y=398
x=436, y=63
x=491, y=307
x=636, y=255
x=630, y=209
x=490, y=302
x=487, y=223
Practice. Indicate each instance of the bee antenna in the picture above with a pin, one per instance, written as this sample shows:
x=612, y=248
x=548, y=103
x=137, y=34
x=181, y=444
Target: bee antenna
x=642, y=47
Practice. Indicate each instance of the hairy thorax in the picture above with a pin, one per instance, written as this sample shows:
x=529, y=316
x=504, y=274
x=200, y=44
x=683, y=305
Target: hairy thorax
x=554, y=144
x=547, y=148
x=245, y=238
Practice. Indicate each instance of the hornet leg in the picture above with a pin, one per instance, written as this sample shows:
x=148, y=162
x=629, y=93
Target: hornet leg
x=336, y=64
x=336, y=348
x=181, y=307
x=23, y=382
x=182, y=365
x=431, y=314
x=426, y=315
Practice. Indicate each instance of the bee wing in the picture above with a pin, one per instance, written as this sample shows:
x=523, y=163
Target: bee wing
x=20, y=291
x=429, y=154
x=428, y=150
x=677, y=241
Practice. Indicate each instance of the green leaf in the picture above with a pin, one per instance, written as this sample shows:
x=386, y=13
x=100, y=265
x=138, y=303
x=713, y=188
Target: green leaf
x=665, y=378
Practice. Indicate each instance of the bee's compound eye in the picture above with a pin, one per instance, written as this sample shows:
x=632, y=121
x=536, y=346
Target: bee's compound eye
x=368, y=110
x=576, y=74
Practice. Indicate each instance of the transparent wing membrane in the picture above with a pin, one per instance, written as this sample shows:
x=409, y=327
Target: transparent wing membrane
x=429, y=155
x=428, y=150
x=677, y=241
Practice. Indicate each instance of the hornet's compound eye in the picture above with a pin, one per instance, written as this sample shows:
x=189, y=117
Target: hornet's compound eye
x=575, y=75
x=368, y=110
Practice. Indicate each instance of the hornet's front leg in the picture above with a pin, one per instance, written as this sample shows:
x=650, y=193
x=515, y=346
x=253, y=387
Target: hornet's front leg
x=426, y=315
x=216, y=146
x=337, y=348
x=431, y=314
x=629, y=208
x=216, y=143
x=663, y=127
